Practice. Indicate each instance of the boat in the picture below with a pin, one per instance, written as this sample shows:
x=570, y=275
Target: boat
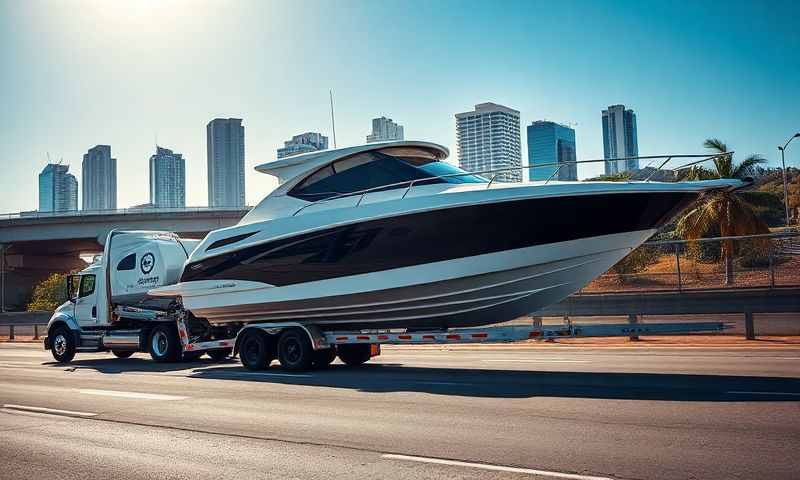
x=390, y=235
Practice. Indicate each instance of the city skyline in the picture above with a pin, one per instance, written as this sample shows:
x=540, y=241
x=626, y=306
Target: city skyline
x=488, y=138
x=681, y=98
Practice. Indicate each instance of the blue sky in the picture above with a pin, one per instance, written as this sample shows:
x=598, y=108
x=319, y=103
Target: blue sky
x=74, y=74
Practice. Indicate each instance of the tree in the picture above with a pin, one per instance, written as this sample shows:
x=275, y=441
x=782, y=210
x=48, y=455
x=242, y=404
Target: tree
x=49, y=293
x=722, y=211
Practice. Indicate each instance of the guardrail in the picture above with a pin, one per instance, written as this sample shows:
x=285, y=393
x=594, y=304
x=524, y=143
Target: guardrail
x=118, y=211
x=12, y=320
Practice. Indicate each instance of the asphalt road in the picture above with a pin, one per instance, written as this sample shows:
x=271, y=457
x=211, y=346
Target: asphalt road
x=552, y=412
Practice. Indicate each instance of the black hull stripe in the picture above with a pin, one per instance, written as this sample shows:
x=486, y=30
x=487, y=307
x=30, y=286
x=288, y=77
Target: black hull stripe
x=439, y=235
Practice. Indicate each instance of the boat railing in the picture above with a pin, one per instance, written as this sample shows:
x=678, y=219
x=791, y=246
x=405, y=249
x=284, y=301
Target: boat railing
x=495, y=172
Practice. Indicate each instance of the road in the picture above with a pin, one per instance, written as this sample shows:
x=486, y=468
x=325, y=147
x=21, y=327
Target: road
x=549, y=412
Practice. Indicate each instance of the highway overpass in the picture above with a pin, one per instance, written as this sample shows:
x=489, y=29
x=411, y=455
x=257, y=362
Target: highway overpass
x=35, y=245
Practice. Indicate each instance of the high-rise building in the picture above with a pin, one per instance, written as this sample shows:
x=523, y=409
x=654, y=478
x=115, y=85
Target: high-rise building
x=549, y=143
x=167, y=179
x=58, y=189
x=303, y=143
x=489, y=138
x=99, y=179
x=385, y=130
x=619, y=139
x=225, y=150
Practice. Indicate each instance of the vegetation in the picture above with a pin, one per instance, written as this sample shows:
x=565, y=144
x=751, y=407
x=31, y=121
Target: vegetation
x=49, y=293
x=724, y=213
x=637, y=261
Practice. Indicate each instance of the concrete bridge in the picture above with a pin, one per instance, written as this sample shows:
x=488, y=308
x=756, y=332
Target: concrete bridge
x=32, y=246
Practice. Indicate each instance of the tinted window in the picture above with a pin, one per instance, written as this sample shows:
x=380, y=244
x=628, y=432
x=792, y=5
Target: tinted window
x=372, y=170
x=87, y=285
x=127, y=263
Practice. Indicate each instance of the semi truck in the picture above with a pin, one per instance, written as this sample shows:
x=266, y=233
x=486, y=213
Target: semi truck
x=108, y=309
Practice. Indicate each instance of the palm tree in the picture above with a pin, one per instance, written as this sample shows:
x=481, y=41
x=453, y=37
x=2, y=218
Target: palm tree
x=725, y=211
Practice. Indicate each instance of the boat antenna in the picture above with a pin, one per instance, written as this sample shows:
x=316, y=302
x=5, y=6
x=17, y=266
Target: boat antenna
x=333, y=119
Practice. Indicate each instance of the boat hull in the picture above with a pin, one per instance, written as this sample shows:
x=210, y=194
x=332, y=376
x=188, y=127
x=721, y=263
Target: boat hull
x=471, y=291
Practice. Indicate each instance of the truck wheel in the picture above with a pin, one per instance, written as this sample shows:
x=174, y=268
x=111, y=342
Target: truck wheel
x=256, y=350
x=220, y=354
x=63, y=344
x=355, y=354
x=294, y=350
x=122, y=353
x=164, y=344
x=324, y=357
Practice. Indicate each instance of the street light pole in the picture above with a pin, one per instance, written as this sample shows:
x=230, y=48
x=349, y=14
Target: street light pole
x=783, y=169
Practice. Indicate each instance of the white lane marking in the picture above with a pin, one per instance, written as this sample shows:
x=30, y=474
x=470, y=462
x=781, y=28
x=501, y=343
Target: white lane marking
x=447, y=383
x=742, y=392
x=137, y=395
x=51, y=411
x=25, y=354
x=523, y=360
x=261, y=374
x=498, y=468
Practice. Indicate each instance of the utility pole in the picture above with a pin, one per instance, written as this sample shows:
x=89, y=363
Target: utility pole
x=783, y=170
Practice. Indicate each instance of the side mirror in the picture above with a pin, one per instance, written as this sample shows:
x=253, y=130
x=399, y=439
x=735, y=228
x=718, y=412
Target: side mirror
x=71, y=291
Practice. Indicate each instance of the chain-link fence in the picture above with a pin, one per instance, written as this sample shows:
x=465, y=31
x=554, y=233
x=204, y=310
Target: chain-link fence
x=771, y=260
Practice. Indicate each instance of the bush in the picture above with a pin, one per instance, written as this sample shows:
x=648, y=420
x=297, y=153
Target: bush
x=49, y=293
x=637, y=261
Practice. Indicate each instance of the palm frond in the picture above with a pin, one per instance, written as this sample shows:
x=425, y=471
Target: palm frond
x=715, y=144
x=747, y=166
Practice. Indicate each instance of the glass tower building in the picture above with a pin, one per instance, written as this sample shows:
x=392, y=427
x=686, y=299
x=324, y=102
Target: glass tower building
x=58, y=189
x=167, y=179
x=550, y=143
x=99, y=179
x=225, y=152
x=303, y=143
x=619, y=139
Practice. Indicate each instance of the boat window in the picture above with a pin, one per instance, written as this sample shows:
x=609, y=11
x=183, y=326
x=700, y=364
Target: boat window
x=375, y=169
x=127, y=263
x=87, y=285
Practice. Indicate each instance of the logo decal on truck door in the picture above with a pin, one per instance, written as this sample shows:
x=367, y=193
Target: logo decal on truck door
x=147, y=262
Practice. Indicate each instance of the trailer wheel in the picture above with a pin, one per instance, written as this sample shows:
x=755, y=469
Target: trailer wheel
x=324, y=357
x=122, y=353
x=255, y=350
x=355, y=354
x=164, y=345
x=294, y=350
x=63, y=344
x=221, y=354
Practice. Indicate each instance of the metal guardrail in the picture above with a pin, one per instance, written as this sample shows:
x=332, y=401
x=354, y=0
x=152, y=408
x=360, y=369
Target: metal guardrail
x=119, y=211
x=11, y=320
x=496, y=171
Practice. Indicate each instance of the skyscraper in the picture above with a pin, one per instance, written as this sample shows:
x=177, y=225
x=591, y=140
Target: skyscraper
x=619, y=139
x=303, y=143
x=384, y=130
x=99, y=179
x=58, y=189
x=167, y=179
x=489, y=138
x=550, y=142
x=225, y=151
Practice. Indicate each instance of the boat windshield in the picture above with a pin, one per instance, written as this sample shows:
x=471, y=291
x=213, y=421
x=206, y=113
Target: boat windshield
x=391, y=168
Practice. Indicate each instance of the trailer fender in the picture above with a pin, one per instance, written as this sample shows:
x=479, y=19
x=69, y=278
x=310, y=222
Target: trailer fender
x=318, y=341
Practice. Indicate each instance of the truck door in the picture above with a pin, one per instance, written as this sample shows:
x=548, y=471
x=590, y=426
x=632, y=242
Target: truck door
x=86, y=303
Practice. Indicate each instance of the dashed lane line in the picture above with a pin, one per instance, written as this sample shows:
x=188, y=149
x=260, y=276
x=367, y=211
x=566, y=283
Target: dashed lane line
x=49, y=411
x=134, y=395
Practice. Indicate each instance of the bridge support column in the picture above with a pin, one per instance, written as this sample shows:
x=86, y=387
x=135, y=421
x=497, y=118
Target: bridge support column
x=633, y=320
x=749, y=326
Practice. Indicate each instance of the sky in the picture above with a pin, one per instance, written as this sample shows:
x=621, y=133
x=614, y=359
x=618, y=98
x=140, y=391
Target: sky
x=74, y=74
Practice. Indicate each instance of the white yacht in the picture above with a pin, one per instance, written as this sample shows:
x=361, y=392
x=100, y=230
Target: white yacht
x=389, y=235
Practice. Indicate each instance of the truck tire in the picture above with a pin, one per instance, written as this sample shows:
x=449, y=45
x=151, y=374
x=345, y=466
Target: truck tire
x=256, y=350
x=354, y=355
x=62, y=344
x=324, y=357
x=164, y=344
x=122, y=353
x=220, y=354
x=294, y=350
